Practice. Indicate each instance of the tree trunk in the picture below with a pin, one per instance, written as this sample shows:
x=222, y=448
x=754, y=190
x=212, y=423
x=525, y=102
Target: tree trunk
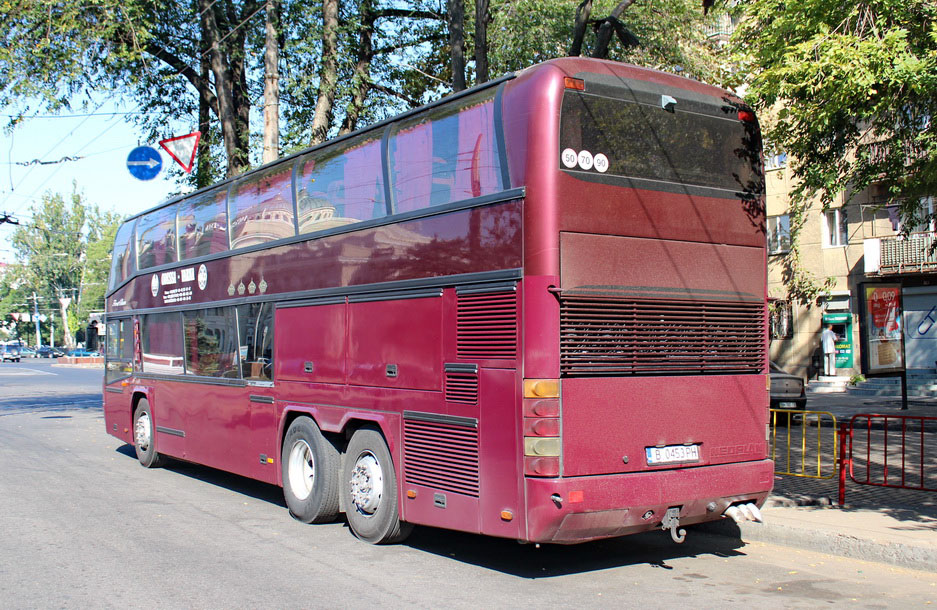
x=223, y=85
x=579, y=28
x=67, y=335
x=482, y=19
x=457, y=43
x=361, y=81
x=604, y=35
x=328, y=74
x=271, y=85
x=203, y=173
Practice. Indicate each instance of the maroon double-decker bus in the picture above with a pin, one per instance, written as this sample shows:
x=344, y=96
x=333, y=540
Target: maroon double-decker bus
x=534, y=310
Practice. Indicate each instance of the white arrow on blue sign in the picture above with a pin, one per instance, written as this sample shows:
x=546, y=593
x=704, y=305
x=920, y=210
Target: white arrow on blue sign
x=144, y=162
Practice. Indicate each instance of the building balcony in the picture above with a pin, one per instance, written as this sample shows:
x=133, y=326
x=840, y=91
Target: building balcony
x=901, y=255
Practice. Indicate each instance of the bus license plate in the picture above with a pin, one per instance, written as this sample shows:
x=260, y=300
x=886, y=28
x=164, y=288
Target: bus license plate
x=672, y=454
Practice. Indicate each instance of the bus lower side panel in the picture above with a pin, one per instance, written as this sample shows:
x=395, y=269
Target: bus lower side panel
x=577, y=509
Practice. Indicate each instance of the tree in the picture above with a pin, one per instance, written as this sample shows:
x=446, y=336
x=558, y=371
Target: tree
x=849, y=91
x=670, y=34
x=63, y=254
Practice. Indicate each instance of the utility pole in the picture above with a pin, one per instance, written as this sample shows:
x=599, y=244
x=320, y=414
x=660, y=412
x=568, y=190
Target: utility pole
x=36, y=312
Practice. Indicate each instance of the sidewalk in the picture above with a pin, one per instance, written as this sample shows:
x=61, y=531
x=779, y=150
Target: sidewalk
x=895, y=526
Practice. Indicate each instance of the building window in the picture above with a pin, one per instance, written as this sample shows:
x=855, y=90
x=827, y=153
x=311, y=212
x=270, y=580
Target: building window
x=779, y=234
x=923, y=221
x=776, y=161
x=780, y=319
x=835, y=228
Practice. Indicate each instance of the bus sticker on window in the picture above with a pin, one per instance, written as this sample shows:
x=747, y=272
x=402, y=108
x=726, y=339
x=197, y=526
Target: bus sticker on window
x=585, y=159
x=601, y=163
x=569, y=158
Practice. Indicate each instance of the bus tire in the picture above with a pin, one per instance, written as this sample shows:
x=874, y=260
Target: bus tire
x=310, y=466
x=370, y=484
x=144, y=436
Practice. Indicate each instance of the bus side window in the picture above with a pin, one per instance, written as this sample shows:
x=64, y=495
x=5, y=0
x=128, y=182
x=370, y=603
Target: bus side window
x=211, y=342
x=203, y=225
x=156, y=238
x=255, y=322
x=261, y=208
x=341, y=185
x=122, y=257
x=448, y=155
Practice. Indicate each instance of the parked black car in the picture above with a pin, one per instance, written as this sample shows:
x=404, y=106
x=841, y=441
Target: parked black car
x=10, y=352
x=47, y=351
x=787, y=391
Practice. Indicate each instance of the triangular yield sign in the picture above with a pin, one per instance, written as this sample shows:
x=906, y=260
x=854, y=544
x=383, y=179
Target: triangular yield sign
x=182, y=149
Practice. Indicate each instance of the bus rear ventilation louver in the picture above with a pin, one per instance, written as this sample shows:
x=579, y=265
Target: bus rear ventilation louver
x=615, y=337
x=487, y=326
x=462, y=387
x=441, y=456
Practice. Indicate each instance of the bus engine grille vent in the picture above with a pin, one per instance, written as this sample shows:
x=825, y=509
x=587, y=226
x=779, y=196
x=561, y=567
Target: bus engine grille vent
x=462, y=387
x=614, y=337
x=441, y=456
x=487, y=325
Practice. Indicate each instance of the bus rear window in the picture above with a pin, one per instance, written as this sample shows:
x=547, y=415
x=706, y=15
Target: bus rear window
x=642, y=141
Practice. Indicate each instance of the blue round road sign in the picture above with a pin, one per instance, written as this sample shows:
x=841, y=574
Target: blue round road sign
x=144, y=163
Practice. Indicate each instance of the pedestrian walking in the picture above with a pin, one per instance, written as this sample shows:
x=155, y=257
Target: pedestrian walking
x=828, y=342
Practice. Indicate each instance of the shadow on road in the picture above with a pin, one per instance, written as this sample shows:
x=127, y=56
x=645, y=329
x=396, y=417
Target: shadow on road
x=551, y=560
x=499, y=554
x=233, y=482
x=89, y=401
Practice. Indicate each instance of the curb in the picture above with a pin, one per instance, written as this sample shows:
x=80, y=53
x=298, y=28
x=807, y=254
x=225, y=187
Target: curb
x=833, y=543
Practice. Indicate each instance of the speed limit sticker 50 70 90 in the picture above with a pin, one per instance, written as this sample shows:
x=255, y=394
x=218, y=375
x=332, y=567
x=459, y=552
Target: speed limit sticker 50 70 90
x=584, y=160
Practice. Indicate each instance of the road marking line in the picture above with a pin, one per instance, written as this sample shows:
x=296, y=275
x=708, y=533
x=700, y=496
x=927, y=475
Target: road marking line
x=23, y=372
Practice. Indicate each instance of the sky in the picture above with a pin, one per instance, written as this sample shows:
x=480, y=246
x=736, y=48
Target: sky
x=102, y=143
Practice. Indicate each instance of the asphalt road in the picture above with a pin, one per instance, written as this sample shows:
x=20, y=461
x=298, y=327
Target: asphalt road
x=82, y=525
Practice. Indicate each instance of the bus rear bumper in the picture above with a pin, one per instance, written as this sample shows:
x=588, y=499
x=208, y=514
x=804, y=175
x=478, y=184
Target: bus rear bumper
x=577, y=509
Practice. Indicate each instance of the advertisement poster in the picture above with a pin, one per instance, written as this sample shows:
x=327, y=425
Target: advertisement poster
x=883, y=307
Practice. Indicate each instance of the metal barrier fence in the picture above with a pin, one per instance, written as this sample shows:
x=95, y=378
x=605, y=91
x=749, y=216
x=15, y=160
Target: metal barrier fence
x=897, y=451
x=891, y=451
x=804, y=443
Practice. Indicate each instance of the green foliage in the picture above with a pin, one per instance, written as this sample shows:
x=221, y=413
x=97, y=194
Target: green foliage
x=64, y=251
x=671, y=35
x=848, y=90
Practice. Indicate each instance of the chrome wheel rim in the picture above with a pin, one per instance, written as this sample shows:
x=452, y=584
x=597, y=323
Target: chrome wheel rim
x=141, y=431
x=367, y=484
x=302, y=469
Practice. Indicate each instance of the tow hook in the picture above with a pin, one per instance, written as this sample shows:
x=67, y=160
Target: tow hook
x=744, y=512
x=671, y=522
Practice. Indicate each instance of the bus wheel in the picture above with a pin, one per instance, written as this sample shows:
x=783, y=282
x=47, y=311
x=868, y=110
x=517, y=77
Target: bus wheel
x=144, y=440
x=371, y=488
x=309, y=464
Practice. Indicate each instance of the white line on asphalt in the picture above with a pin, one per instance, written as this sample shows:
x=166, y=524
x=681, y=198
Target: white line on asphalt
x=22, y=372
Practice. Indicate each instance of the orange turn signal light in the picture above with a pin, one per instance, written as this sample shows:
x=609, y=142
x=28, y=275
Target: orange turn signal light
x=574, y=83
x=541, y=388
x=507, y=515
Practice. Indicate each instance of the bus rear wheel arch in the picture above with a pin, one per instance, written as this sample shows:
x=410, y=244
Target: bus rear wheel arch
x=144, y=435
x=370, y=490
x=309, y=465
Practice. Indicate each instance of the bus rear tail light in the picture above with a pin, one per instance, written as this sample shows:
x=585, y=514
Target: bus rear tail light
x=541, y=426
x=543, y=444
x=746, y=116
